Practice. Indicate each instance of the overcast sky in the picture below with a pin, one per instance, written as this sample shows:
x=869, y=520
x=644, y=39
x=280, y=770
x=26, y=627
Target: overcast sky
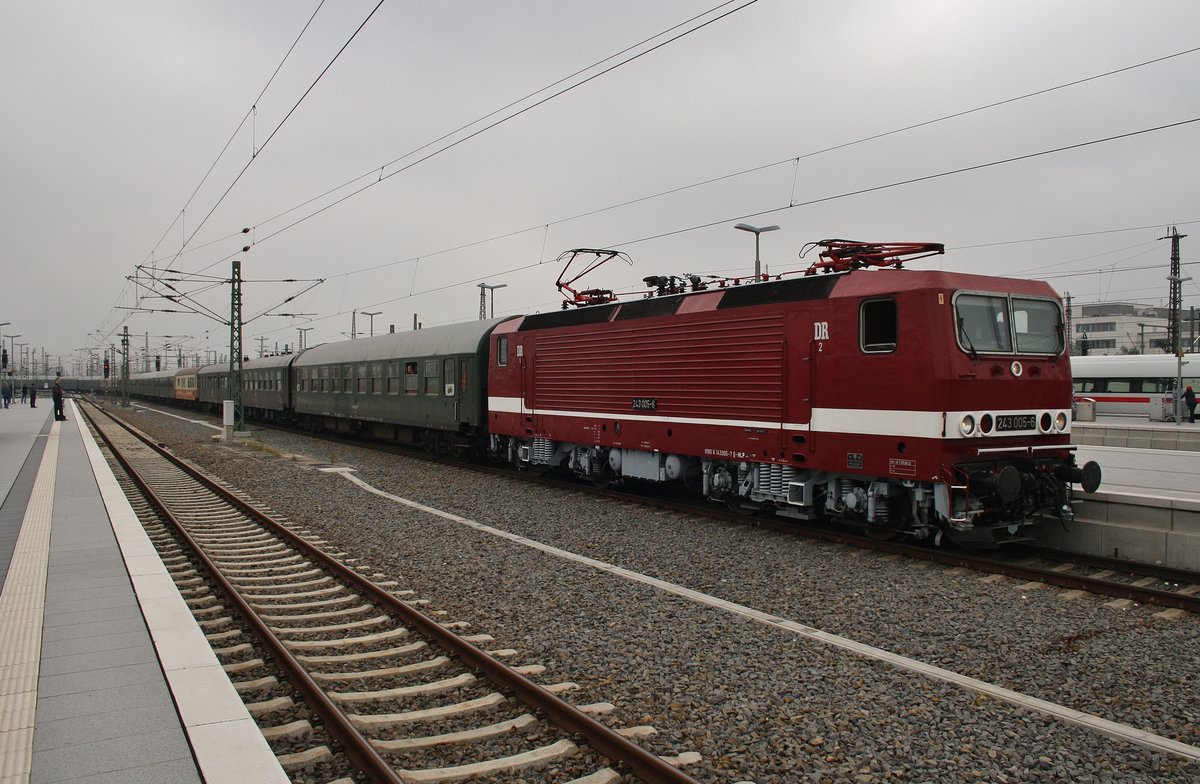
x=114, y=111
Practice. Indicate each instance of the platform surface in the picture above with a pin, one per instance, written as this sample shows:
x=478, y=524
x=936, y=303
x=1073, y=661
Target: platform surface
x=97, y=648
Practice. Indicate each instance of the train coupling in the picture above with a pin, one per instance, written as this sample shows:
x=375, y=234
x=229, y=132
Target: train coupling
x=1088, y=476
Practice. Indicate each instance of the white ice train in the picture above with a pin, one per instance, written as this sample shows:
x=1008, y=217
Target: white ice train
x=1127, y=384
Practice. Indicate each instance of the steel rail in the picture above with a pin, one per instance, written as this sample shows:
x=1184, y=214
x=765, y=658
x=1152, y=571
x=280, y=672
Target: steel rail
x=1144, y=595
x=358, y=748
x=645, y=765
x=1158, y=598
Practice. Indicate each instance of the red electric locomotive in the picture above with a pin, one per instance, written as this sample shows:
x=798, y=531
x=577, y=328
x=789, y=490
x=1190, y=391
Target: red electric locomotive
x=902, y=401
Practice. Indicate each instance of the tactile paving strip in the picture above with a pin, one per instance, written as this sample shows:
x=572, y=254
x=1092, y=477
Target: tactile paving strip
x=22, y=607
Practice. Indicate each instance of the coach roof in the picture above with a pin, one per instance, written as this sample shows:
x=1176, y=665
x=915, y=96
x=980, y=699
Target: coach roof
x=465, y=338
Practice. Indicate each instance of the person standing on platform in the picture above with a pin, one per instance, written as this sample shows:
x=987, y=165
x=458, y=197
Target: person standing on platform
x=24, y=393
x=1189, y=400
x=33, y=395
x=7, y=392
x=57, y=394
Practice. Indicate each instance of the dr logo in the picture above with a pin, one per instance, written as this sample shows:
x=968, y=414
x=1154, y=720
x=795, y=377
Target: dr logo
x=820, y=330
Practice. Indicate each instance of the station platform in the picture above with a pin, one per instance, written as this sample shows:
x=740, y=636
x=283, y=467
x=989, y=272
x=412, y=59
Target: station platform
x=1147, y=508
x=1136, y=432
x=104, y=675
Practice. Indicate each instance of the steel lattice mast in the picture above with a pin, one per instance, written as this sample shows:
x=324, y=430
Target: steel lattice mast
x=235, y=345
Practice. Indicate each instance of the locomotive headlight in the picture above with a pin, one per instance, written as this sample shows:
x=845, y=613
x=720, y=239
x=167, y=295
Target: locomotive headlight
x=1060, y=421
x=986, y=423
x=967, y=425
x=1044, y=422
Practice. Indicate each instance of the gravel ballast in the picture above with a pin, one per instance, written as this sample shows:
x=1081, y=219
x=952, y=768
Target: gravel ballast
x=758, y=703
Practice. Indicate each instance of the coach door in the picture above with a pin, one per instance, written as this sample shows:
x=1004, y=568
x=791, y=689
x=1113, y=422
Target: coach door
x=460, y=391
x=449, y=390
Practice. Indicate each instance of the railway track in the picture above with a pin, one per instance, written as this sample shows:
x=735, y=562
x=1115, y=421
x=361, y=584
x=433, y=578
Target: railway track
x=1035, y=566
x=1123, y=580
x=405, y=697
x=1031, y=565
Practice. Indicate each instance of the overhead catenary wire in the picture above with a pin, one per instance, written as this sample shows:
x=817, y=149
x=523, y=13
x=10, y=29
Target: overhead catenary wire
x=378, y=170
x=900, y=183
x=860, y=191
x=514, y=115
x=789, y=160
x=682, y=188
x=629, y=202
x=249, y=112
x=282, y=122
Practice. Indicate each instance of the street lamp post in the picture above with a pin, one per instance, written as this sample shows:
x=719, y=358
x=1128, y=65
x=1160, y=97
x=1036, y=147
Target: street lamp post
x=3, y=324
x=371, y=315
x=21, y=363
x=757, y=231
x=303, y=334
x=12, y=350
x=484, y=288
x=1177, y=316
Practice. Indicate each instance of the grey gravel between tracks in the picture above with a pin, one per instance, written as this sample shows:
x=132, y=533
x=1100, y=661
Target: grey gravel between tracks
x=757, y=703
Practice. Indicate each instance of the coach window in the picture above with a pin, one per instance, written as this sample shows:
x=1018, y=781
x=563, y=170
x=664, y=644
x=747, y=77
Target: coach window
x=364, y=380
x=324, y=387
x=393, y=378
x=377, y=378
x=433, y=383
x=410, y=378
x=448, y=374
x=464, y=370
x=348, y=378
x=502, y=350
x=877, y=326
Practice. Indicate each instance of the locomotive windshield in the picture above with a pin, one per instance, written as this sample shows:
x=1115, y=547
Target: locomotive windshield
x=994, y=323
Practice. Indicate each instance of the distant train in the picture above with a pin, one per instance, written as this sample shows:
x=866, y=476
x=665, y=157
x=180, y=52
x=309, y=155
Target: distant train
x=902, y=402
x=1127, y=384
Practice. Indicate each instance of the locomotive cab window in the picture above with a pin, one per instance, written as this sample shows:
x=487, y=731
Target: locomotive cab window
x=1038, y=326
x=982, y=323
x=877, y=326
x=995, y=323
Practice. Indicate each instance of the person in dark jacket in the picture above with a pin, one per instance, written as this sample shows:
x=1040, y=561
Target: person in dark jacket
x=57, y=394
x=1189, y=400
x=33, y=395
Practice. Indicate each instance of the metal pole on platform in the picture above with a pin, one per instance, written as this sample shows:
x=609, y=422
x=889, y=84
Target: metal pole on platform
x=1176, y=317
